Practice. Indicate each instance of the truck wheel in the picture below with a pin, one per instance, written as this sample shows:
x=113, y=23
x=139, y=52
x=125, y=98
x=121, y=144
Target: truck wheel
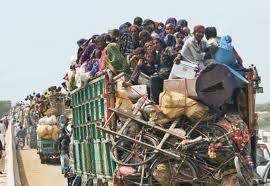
x=42, y=161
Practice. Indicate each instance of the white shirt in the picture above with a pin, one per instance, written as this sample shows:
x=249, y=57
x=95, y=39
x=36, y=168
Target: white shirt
x=193, y=51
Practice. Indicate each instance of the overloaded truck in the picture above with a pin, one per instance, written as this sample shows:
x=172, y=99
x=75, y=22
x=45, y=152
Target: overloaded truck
x=48, y=150
x=48, y=129
x=119, y=141
x=47, y=135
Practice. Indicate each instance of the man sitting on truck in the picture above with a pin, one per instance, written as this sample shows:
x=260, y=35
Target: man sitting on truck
x=194, y=49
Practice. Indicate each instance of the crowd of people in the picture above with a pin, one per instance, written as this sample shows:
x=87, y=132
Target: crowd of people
x=151, y=48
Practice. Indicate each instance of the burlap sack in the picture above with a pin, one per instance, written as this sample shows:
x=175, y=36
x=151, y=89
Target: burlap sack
x=55, y=132
x=174, y=104
x=44, y=131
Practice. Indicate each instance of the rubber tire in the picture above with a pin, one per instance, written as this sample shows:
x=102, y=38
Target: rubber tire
x=188, y=162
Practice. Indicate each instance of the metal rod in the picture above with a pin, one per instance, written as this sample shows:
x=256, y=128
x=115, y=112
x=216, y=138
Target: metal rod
x=146, y=123
x=167, y=135
x=141, y=143
x=108, y=121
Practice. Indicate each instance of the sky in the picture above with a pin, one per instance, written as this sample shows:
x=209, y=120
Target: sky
x=37, y=38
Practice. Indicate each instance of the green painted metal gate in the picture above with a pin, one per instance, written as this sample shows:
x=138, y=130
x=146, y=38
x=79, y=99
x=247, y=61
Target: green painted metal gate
x=91, y=146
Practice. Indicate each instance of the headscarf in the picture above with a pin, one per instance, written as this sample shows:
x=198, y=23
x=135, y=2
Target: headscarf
x=124, y=27
x=107, y=37
x=81, y=42
x=115, y=59
x=182, y=23
x=148, y=24
x=138, y=21
x=226, y=42
x=87, y=52
x=199, y=28
x=171, y=20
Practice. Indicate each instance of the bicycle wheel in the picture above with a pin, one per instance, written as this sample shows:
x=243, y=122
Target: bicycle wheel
x=217, y=137
x=128, y=153
x=173, y=172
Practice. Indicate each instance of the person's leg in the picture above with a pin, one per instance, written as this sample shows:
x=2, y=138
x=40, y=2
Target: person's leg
x=156, y=87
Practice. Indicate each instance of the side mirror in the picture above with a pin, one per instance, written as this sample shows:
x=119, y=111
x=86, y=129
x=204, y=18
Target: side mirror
x=259, y=90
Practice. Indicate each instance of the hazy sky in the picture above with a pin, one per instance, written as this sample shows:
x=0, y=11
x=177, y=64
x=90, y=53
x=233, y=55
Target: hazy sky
x=38, y=37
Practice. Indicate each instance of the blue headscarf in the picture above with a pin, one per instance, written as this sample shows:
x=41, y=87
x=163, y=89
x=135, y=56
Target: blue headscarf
x=226, y=42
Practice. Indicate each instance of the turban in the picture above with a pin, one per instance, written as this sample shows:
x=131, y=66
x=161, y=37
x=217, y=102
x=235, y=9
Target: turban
x=199, y=28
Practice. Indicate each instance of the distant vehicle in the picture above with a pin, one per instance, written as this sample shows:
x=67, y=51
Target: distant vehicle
x=48, y=150
x=263, y=162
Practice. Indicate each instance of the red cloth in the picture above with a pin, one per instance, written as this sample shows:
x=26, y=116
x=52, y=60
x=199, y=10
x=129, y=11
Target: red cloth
x=102, y=63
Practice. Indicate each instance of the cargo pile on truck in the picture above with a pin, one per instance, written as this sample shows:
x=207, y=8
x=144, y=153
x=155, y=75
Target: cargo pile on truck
x=154, y=104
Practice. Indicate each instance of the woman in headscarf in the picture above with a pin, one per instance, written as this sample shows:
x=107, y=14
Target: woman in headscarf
x=87, y=52
x=115, y=60
x=226, y=54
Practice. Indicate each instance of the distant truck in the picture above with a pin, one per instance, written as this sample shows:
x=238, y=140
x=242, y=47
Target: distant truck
x=48, y=149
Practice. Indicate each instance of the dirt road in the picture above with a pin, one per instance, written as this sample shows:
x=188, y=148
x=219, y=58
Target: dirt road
x=33, y=173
